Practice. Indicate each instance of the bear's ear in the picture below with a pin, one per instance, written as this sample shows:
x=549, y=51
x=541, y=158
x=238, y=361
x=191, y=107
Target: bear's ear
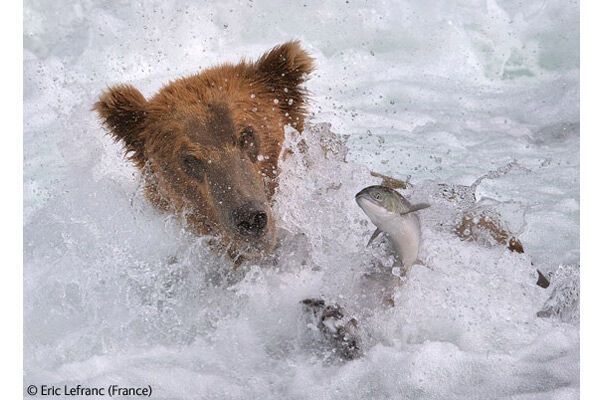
x=123, y=110
x=283, y=70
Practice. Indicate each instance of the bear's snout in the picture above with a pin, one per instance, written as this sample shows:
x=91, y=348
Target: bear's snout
x=250, y=221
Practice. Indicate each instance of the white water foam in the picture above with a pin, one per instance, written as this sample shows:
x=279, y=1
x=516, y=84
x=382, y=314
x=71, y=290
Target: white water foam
x=116, y=292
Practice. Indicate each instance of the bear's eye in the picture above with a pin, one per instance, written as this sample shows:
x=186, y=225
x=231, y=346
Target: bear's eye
x=249, y=143
x=247, y=138
x=193, y=166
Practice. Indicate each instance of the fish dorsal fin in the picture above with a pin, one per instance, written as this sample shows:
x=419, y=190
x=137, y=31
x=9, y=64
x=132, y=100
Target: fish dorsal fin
x=416, y=207
x=373, y=236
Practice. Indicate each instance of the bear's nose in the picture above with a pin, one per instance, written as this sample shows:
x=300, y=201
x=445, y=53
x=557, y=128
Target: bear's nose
x=249, y=221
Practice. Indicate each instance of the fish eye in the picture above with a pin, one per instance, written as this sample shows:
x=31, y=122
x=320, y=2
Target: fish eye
x=377, y=196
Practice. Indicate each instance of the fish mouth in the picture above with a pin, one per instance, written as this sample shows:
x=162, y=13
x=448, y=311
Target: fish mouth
x=364, y=195
x=366, y=192
x=369, y=205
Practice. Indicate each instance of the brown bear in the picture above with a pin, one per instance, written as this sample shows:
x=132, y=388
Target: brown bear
x=208, y=144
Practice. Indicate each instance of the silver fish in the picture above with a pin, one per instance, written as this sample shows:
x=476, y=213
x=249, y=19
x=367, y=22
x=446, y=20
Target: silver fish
x=393, y=214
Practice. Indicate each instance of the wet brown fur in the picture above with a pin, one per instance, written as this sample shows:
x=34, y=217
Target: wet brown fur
x=486, y=228
x=205, y=117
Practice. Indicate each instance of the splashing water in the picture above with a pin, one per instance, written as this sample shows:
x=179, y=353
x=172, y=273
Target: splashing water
x=476, y=101
x=471, y=312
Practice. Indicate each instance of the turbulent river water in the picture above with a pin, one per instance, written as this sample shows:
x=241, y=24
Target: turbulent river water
x=477, y=97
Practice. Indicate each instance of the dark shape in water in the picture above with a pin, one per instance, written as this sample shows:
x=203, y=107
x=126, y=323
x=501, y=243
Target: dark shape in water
x=542, y=281
x=340, y=332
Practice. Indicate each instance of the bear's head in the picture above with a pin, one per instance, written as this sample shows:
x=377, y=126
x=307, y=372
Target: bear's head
x=208, y=144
